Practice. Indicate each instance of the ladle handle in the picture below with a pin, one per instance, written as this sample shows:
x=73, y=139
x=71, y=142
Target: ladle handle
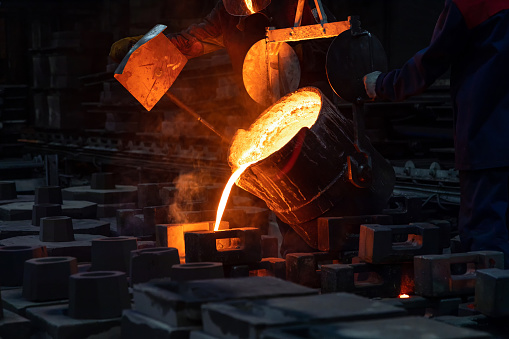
x=198, y=117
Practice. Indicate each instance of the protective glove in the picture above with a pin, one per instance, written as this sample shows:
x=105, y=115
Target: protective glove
x=120, y=48
x=370, y=83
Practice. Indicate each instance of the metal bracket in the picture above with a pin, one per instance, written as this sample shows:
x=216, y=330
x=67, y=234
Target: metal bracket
x=298, y=33
x=355, y=26
x=275, y=37
x=309, y=32
x=321, y=12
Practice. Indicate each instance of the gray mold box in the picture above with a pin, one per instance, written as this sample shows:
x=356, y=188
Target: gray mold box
x=248, y=319
x=179, y=304
x=394, y=328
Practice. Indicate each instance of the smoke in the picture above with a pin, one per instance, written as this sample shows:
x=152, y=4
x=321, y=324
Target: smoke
x=189, y=196
x=195, y=197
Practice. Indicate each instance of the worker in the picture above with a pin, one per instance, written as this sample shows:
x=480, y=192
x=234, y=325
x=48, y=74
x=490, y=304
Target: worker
x=471, y=37
x=231, y=25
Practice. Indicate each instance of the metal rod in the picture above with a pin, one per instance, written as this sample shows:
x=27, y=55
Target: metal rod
x=298, y=13
x=321, y=12
x=198, y=117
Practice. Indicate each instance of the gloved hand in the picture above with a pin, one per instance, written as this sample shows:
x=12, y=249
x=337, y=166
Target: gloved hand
x=120, y=48
x=370, y=83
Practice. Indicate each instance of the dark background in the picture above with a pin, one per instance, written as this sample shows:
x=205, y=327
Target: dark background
x=57, y=86
x=27, y=26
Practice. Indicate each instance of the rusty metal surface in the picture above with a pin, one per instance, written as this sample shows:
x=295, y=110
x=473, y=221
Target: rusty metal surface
x=298, y=195
x=326, y=30
x=150, y=67
x=270, y=70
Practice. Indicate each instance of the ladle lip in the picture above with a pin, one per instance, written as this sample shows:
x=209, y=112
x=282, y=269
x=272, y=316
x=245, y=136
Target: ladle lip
x=279, y=105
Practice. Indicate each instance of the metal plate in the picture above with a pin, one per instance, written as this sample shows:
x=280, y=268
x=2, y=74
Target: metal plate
x=269, y=75
x=349, y=58
x=150, y=67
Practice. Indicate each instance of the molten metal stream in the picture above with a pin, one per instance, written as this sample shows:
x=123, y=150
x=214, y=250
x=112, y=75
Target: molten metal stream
x=226, y=193
x=249, y=5
x=269, y=133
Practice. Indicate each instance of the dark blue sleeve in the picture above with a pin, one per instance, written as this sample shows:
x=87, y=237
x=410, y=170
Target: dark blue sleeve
x=448, y=41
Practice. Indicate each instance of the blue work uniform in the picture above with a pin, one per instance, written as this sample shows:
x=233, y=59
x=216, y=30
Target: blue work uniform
x=471, y=37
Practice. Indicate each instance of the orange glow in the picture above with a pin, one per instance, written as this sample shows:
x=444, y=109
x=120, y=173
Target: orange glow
x=275, y=127
x=404, y=296
x=249, y=5
x=269, y=133
x=226, y=194
x=151, y=70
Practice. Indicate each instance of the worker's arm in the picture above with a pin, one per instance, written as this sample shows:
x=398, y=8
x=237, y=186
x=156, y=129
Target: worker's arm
x=202, y=38
x=120, y=48
x=448, y=42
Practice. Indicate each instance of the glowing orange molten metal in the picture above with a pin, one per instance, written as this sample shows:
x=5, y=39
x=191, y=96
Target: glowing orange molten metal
x=226, y=194
x=249, y=5
x=404, y=296
x=269, y=133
